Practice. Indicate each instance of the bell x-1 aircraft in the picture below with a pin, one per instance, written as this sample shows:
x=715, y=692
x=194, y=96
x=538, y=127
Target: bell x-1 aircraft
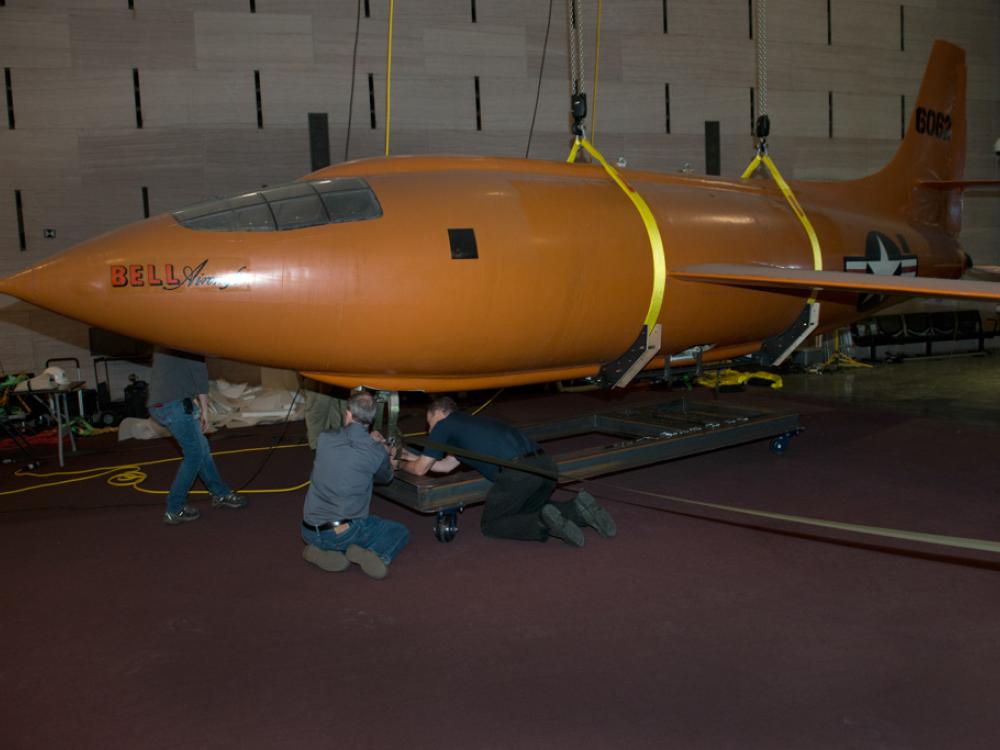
x=453, y=273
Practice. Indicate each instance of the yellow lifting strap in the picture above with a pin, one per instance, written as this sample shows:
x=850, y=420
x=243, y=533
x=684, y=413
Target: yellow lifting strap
x=727, y=377
x=796, y=208
x=655, y=242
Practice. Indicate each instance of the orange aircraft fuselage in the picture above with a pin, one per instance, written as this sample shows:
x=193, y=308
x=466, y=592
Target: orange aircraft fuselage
x=558, y=283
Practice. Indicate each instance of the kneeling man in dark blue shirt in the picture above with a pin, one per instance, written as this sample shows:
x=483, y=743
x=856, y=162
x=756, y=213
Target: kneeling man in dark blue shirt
x=336, y=524
x=518, y=505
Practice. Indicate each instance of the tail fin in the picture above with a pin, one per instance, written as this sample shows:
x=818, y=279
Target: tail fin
x=933, y=148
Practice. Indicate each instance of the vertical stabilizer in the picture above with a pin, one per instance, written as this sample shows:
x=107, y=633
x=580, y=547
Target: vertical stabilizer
x=933, y=148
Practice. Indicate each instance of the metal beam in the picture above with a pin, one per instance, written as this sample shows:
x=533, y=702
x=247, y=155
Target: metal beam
x=639, y=437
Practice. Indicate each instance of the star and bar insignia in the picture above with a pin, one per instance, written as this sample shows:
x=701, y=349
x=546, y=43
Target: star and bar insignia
x=883, y=258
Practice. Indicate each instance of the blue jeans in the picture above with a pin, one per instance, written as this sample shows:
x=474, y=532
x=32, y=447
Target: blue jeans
x=186, y=429
x=384, y=538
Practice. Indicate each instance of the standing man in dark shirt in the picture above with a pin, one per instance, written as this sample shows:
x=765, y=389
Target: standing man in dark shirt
x=336, y=524
x=518, y=505
x=178, y=399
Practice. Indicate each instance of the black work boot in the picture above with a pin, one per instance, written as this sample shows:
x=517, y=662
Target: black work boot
x=561, y=527
x=594, y=515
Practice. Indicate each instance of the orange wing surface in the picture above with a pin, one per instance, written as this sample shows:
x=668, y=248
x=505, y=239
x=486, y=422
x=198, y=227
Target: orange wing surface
x=792, y=278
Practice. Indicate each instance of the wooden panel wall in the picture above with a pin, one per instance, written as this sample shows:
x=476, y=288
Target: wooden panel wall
x=80, y=160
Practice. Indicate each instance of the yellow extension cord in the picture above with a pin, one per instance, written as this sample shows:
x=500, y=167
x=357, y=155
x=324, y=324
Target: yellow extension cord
x=131, y=474
x=388, y=75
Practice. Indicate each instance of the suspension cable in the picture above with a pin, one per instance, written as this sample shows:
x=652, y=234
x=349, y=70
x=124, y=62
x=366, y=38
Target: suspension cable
x=388, y=76
x=354, y=68
x=541, y=71
x=597, y=71
x=576, y=68
x=761, y=43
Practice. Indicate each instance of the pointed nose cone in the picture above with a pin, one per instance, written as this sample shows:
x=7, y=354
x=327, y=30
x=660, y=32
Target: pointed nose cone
x=57, y=283
x=74, y=282
x=20, y=285
x=148, y=280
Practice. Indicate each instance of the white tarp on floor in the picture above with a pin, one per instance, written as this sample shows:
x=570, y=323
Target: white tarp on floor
x=229, y=405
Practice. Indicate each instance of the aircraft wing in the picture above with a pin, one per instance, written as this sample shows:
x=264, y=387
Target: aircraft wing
x=735, y=274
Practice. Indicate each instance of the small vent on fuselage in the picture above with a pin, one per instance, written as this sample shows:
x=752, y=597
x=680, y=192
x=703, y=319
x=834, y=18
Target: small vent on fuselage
x=463, y=244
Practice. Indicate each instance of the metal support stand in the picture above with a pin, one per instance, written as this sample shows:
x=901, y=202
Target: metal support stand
x=59, y=407
x=387, y=414
x=775, y=351
x=623, y=370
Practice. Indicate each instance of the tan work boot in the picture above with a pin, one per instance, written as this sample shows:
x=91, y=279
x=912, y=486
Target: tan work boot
x=327, y=559
x=370, y=563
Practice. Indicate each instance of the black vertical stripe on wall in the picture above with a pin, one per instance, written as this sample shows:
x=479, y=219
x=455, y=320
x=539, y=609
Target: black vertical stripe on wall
x=473, y=11
x=902, y=116
x=319, y=140
x=145, y=202
x=750, y=16
x=902, y=29
x=253, y=6
x=713, y=152
x=666, y=105
x=8, y=84
x=829, y=24
x=138, y=97
x=368, y=10
x=666, y=26
x=829, y=103
x=371, y=98
x=260, y=107
x=131, y=4
x=22, y=240
x=479, y=114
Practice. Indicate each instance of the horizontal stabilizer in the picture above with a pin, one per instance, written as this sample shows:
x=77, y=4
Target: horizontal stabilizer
x=983, y=273
x=733, y=274
x=959, y=184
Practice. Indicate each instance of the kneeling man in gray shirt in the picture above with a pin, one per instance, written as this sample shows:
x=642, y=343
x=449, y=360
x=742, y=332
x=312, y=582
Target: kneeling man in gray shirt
x=336, y=525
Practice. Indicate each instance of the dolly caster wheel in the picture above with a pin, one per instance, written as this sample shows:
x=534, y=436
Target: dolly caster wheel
x=446, y=525
x=780, y=444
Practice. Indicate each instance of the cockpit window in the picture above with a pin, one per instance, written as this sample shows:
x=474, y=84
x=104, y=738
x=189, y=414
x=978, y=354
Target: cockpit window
x=296, y=206
x=293, y=206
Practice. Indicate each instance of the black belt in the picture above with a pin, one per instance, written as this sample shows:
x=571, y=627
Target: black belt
x=325, y=526
x=523, y=457
x=187, y=403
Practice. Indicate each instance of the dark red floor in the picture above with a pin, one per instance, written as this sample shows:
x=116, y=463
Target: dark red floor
x=683, y=632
